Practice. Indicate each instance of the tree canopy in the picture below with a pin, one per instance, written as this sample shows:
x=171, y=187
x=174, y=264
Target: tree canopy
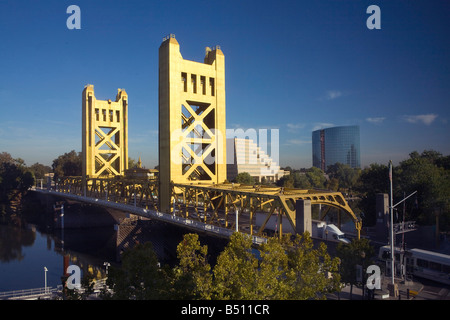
x=68, y=164
x=311, y=178
x=244, y=178
x=15, y=179
x=427, y=173
x=279, y=269
x=358, y=252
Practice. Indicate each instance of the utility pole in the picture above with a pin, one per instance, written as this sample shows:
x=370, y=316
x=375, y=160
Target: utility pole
x=391, y=225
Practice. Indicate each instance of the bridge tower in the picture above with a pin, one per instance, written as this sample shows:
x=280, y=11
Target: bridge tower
x=192, y=136
x=105, y=135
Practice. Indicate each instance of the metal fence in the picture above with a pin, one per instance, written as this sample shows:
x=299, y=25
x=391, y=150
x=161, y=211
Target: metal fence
x=27, y=293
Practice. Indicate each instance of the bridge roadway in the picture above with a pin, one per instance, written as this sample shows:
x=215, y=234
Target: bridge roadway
x=152, y=214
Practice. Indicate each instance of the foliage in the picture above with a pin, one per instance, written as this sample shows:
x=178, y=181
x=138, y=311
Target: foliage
x=139, y=277
x=87, y=284
x=15, y=178
x=311, y=272
x=235, y=271
x=192, y=277
x=342, y=177
x=244, y=178
x=372, y=180
x=286, y=269
x=311, y=178
x=271, y=274
x=68, y=164
x=358, y=252
x=316, y=177
x=39, y=170
x=427, y=173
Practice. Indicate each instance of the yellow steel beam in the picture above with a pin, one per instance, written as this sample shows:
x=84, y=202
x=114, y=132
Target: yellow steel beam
x=209, y=199
x=281, y=199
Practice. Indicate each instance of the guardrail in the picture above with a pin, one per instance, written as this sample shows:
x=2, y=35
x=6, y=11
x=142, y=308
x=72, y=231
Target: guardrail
x=16, y=294
x=153, y=214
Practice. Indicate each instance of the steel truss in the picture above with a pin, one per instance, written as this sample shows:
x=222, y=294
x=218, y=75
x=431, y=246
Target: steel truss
x=215, y=204
x=218, y=204
x=141, y=192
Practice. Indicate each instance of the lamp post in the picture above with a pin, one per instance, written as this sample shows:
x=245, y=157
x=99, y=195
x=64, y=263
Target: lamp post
x=391, y=225
x=45, y=279
x=363, y=256
x=106, y=264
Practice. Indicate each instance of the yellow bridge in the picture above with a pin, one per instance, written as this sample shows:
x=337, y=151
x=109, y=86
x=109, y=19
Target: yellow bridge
x=215, y=204
x=192, y=156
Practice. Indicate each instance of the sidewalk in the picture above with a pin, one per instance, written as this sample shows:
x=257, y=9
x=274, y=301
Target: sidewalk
x=383, y=294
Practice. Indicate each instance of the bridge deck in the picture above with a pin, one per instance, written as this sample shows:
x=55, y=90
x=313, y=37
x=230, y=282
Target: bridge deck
x=153, y=214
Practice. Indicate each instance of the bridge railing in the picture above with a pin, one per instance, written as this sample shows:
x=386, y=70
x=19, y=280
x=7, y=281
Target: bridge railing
x=150, y=213
x=29, y=292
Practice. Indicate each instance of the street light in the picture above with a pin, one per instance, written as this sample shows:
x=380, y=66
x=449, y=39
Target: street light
x=45, y=278
x=391, y=224
x=106, y=264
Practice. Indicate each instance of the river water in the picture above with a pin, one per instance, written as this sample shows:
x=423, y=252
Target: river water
x=25, y=251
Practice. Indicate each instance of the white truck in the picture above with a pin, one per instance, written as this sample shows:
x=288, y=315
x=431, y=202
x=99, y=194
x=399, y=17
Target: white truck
x=320, y=229
x=328, y=232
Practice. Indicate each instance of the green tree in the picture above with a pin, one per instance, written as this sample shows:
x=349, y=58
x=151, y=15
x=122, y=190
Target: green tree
x=425, y=173
x=271, y=274
x=235, y=273
x=139, y=277
x=346, y=175
x=39, y=170
x=68, y=164
x=316, y=178
x=301, y=180
x=333, y=184
x=193, y=277
x=286, y=181
x=15, y=179
x=312, y=272
x=358, y=252
x=87, y=285
x=285, y=269
x=373, y=180
x=244, y=178
x=132, y=163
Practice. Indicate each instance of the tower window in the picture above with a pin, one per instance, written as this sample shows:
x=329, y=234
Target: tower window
x=184, y=81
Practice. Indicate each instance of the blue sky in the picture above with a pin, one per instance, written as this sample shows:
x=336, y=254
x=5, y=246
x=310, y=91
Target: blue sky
x=295, y=66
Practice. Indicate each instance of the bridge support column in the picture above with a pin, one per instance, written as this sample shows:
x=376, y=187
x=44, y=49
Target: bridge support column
x=303, y=216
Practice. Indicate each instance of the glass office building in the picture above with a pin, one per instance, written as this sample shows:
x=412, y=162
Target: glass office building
x=336, y=144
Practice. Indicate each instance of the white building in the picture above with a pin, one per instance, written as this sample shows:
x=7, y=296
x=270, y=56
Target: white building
x=244, y=155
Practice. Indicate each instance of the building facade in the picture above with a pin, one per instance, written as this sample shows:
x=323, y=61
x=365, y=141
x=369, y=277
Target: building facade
x=336, y=144
x=248, y=157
